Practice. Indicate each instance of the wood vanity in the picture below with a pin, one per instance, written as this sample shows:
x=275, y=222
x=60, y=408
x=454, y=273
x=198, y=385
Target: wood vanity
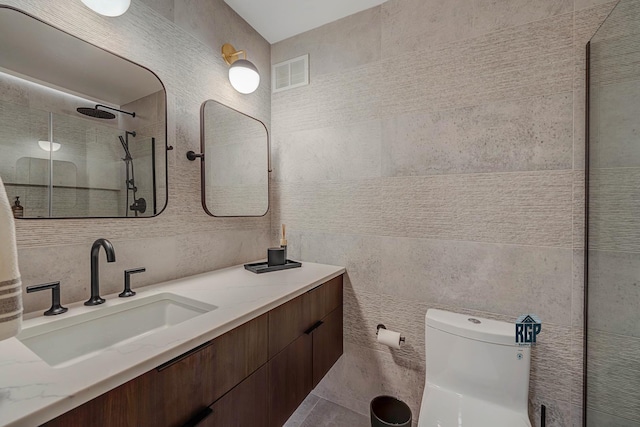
x=254, y=375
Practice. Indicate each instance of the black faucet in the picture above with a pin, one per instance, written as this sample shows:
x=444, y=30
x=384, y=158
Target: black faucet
x=95, y=273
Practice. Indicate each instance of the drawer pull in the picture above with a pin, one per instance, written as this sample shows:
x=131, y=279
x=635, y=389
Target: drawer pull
x=201, y=416
x=314, y=327
x=182, y=357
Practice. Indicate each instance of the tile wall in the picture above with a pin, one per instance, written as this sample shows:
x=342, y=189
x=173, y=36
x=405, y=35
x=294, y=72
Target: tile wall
x=613, y=398
x=438, y=155
x=180, y=41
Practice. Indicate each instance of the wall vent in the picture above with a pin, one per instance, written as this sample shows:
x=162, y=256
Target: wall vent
x=290, y=74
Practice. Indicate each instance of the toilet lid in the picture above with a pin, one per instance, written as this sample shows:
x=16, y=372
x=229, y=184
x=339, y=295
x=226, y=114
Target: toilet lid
x=442, y=408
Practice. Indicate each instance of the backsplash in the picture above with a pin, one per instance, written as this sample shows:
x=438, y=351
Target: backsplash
x=180, y=41
x=438, y=154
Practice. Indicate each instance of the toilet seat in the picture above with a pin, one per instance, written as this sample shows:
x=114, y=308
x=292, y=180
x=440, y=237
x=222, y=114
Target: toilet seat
x=443, y=408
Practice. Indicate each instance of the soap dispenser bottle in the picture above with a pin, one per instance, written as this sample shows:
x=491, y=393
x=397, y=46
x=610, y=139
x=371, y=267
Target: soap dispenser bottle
x=283, y=242
x=18, y=210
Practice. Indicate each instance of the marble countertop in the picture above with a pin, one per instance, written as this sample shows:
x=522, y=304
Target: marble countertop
x=32, y=392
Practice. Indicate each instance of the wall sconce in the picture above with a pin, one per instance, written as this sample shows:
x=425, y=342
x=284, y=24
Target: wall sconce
x=108, y=7
x=49, y=146
x=243, y=75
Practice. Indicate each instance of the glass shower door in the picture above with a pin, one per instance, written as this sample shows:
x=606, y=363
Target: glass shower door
x=613, y=235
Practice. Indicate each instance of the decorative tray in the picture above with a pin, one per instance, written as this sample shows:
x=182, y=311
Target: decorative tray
x=263, y=267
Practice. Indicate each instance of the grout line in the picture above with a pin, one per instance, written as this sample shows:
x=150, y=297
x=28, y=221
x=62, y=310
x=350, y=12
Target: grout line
x=312, y=408
x=294, y=229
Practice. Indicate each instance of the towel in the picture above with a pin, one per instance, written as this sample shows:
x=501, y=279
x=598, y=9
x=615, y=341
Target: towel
x=10, y=283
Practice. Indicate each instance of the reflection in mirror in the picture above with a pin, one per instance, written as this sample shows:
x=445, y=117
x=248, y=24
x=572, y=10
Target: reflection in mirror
x=236, y=176
x=82, y=131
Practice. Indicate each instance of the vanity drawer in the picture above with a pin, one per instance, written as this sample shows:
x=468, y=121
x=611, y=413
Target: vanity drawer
x=246, y=405
x=134, y=403
x=324, y=299
x=290, y=320
x=195, y=380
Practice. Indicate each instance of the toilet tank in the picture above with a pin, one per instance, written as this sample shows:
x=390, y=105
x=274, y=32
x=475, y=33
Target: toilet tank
x=477, y=357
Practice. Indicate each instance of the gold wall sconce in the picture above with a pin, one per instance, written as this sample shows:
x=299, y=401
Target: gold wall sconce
x=243, y=75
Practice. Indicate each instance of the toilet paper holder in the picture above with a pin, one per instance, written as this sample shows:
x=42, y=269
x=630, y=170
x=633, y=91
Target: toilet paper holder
x=381, y=326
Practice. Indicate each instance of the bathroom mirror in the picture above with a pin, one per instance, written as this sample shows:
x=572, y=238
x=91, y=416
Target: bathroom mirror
x=235, y=170
x=82, y=130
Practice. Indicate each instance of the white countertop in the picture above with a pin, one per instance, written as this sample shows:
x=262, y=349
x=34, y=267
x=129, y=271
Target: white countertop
x=32, y=392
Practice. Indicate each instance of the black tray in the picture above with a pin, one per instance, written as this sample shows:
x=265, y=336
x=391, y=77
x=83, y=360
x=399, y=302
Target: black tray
x=262, y=267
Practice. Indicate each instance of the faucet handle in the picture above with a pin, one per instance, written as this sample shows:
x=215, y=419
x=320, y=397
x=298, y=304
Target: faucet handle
x=127, y=292
x=56, y=308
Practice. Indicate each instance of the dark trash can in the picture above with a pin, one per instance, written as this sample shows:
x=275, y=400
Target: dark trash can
x=388, y=411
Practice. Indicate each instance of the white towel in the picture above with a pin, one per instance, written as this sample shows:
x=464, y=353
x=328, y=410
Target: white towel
x=10, y=283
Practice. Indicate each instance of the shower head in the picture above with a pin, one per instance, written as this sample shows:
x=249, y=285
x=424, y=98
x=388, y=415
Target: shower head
x=95, y=113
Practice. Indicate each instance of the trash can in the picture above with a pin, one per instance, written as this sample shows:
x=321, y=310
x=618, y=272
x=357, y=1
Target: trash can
x=388, y=411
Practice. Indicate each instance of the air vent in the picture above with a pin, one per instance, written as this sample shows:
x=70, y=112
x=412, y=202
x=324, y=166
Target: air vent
x=290, y=74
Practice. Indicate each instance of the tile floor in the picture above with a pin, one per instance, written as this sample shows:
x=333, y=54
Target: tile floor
x=318, y=412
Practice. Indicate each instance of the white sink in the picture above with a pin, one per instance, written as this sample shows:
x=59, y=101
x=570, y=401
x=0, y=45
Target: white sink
x=68, y=341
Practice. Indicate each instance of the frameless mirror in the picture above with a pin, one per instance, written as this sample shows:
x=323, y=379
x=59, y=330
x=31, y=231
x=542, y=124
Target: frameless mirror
x=82, y=130
x=235, y=170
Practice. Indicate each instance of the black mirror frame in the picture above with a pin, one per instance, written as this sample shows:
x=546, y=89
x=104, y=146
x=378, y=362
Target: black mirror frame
x=166, y=144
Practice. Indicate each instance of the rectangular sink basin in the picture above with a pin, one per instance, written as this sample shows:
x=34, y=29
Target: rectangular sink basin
x=68, y=341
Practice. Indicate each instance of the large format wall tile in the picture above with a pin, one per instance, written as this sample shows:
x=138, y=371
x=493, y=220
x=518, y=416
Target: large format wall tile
x=366, y=310
x=614, y=292
x=523, y=208
x=413, y=24
x=614, y=144
x=519, y=135
x=534, y=59
x=164, y=7
x=551, y=363
x=504, y=279
x=359, y=254
x=603, y=419
x=577, y=366
x=332, y=99
x=471, y=111
x=336, y=153
x=614, y=204
x=347, y=207
x=349, y=42
x=577, y=293
x=613, y=372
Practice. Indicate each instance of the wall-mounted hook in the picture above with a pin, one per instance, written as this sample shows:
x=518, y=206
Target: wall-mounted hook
x=191, y=155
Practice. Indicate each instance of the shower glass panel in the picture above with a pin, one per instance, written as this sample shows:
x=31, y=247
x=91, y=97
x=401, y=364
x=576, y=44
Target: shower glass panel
x=612, y=292
x=70, y=166
x=82, y=136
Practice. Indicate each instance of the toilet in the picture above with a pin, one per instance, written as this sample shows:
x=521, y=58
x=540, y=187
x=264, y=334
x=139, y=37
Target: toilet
x=476, y=375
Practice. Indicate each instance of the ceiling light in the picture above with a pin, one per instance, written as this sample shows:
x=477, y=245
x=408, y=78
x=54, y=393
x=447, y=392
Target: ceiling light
x=48, y=146
x=108, y=7
x=243, y=75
